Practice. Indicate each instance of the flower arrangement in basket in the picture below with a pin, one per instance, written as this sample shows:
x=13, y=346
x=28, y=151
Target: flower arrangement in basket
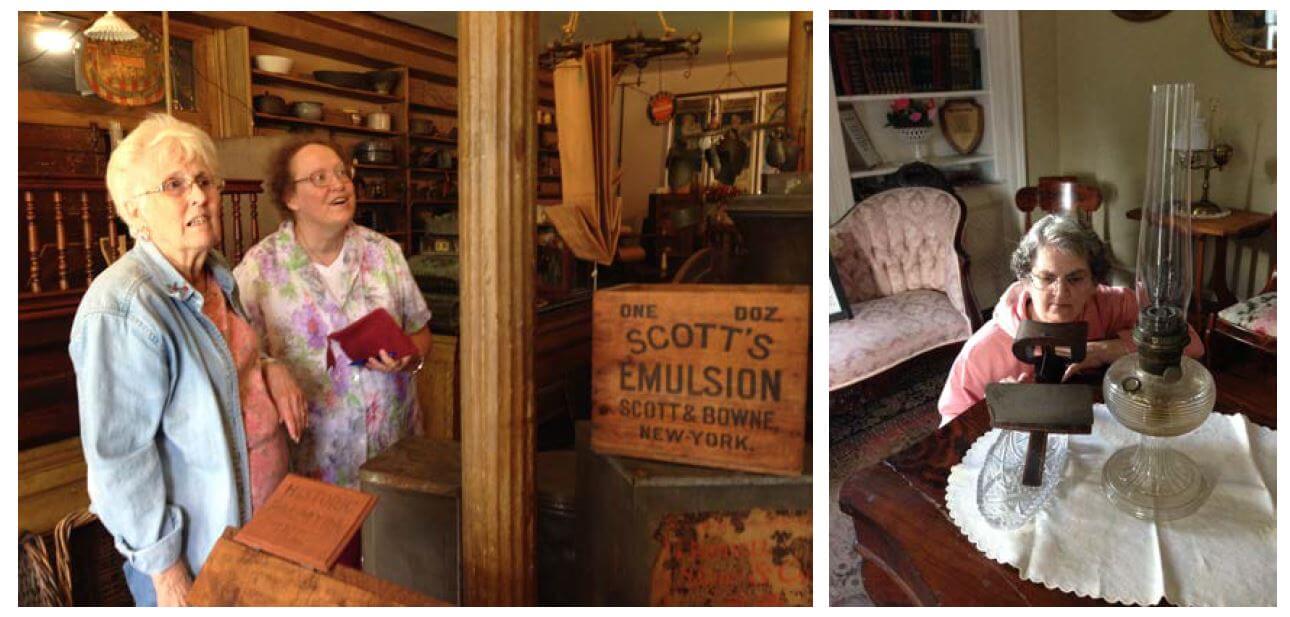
x=911, y=113
x=912, y=120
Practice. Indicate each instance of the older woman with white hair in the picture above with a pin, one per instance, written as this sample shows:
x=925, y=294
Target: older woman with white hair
x=1062, y=268
x=180, y=412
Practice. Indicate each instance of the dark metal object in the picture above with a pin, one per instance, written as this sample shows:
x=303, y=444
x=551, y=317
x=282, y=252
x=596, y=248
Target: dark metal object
x=413, y=535
x=375, y=152
x=634, y=50
x=270, y=104
x=1045, y=406
x=345, y=79
x=1161, y=335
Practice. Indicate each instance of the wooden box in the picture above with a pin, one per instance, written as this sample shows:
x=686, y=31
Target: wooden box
x=237, y=575
x=413, y=536
x=653, y=533
x=709, y=375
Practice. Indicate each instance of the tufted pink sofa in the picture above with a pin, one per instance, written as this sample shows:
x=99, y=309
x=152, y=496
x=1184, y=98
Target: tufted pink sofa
x=898, y=262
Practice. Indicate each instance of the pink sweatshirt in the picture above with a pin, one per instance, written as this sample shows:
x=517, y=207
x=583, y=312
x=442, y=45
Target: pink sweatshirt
x=987, y=357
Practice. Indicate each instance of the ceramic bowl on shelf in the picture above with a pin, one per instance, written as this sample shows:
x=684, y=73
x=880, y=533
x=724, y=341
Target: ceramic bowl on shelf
x=307, y=110
x=421, y=126
x=270, y=104
x=273, y=64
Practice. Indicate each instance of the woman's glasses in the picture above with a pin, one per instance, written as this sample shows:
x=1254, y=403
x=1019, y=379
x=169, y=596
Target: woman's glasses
x=1047, y=281
x=323, y=178
x=178, y=186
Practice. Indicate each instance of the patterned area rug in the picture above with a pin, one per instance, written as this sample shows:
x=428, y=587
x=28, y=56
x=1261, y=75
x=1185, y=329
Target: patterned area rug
x=864, y=432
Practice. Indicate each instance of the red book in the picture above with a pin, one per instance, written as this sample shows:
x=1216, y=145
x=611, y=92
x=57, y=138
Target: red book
x=364, y=338
x=307, y=522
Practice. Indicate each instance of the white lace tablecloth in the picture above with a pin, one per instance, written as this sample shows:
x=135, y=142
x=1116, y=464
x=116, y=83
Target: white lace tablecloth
x=1222, y=555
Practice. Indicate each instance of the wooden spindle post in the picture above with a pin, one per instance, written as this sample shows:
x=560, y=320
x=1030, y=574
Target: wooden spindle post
x=33, y=243
x=497, y=71
x=111, y=225
x=60, y=237
x=87, y=233
x=255, y=218
x=237, y=226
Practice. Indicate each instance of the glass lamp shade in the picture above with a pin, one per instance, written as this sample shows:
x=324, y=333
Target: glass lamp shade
x=1164, y=242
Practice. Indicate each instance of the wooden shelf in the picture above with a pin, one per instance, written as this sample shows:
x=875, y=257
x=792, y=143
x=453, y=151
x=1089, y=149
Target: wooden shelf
x=434, y=202
x=432, y=109
x=549, y=151
x=261, y=117
x=377, y=202
x=265, y=77
x=942, y=161
x=375, y=166
x=548, y=178
x=943, y=94
x=434, y=170
x=433, y=139
x=901, y=23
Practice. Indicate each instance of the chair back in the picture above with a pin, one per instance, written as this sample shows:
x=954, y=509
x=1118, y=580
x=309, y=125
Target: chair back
x=898, y=240
x=1059, y=195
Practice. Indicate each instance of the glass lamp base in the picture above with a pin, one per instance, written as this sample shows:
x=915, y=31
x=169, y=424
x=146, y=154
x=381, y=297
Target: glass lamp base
x=1153, y=482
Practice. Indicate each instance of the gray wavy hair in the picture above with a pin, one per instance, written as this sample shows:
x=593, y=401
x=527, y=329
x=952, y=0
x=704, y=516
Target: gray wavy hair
x=1067, y=235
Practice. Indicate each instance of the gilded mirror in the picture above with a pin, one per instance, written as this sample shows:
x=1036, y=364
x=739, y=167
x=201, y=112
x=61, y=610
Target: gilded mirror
x=1249, y=36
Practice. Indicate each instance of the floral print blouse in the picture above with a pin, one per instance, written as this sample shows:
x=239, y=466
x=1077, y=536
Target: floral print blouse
x=354, y=412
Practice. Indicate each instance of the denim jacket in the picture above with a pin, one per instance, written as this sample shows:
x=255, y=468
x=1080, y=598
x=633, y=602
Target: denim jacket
x=161, y=421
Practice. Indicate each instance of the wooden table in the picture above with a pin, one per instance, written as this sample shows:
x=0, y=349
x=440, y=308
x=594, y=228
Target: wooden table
x=913, y=553
x=1238, y=224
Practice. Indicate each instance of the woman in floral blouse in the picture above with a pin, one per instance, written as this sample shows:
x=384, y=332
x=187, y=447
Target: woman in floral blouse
x=318, y=273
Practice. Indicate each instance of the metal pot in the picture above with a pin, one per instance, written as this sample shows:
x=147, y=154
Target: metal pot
x=378, y=120
x=375, y=152
x=270, y=104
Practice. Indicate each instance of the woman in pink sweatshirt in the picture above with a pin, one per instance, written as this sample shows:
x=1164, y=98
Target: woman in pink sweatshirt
x=1061, y=268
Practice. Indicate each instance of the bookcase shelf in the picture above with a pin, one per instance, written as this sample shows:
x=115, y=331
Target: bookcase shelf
x=940, y=161
x=899, y=23
x=946, y=94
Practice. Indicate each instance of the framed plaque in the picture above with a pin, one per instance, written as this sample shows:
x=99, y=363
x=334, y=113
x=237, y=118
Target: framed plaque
x=963, y=124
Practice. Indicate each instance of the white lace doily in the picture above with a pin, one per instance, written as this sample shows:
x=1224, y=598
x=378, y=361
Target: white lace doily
x=1224, y=554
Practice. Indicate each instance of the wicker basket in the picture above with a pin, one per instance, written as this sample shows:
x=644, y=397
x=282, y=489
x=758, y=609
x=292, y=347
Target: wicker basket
x=84, y=570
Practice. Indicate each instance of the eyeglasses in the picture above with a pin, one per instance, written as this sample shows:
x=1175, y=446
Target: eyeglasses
x=1048, y=281
x=324, y=177
x=178, y=186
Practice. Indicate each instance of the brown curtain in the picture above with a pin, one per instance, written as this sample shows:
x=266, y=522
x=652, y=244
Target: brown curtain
x=590, y=217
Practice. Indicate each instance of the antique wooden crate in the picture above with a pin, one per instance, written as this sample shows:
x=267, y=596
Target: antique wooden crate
x=709, y=375
x=654, y=533
x=413, y=536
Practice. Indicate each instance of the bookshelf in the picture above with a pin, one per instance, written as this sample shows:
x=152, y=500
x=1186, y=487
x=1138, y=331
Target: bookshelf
x=998, y=163
x=875, y=61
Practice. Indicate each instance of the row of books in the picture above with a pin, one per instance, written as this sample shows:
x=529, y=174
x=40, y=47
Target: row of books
x=959, y=17
x=886, y=60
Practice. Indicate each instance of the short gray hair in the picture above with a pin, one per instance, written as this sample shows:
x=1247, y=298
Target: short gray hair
x=158, y=138
x=1067, y=235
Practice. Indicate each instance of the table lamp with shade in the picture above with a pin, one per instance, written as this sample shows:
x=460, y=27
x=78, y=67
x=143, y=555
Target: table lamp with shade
x=1157, y=391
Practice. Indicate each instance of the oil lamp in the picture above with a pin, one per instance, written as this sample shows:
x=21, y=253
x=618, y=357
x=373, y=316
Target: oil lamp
x=1157, y=392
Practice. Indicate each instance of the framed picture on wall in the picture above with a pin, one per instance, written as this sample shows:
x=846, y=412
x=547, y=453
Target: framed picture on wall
x=839, y=306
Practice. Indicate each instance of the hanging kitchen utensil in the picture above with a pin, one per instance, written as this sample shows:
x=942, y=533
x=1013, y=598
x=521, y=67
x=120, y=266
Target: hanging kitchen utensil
x=661, y=108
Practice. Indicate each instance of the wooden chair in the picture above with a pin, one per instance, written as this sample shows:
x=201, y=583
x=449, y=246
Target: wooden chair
x=1059, y=195
x=1225, y=324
